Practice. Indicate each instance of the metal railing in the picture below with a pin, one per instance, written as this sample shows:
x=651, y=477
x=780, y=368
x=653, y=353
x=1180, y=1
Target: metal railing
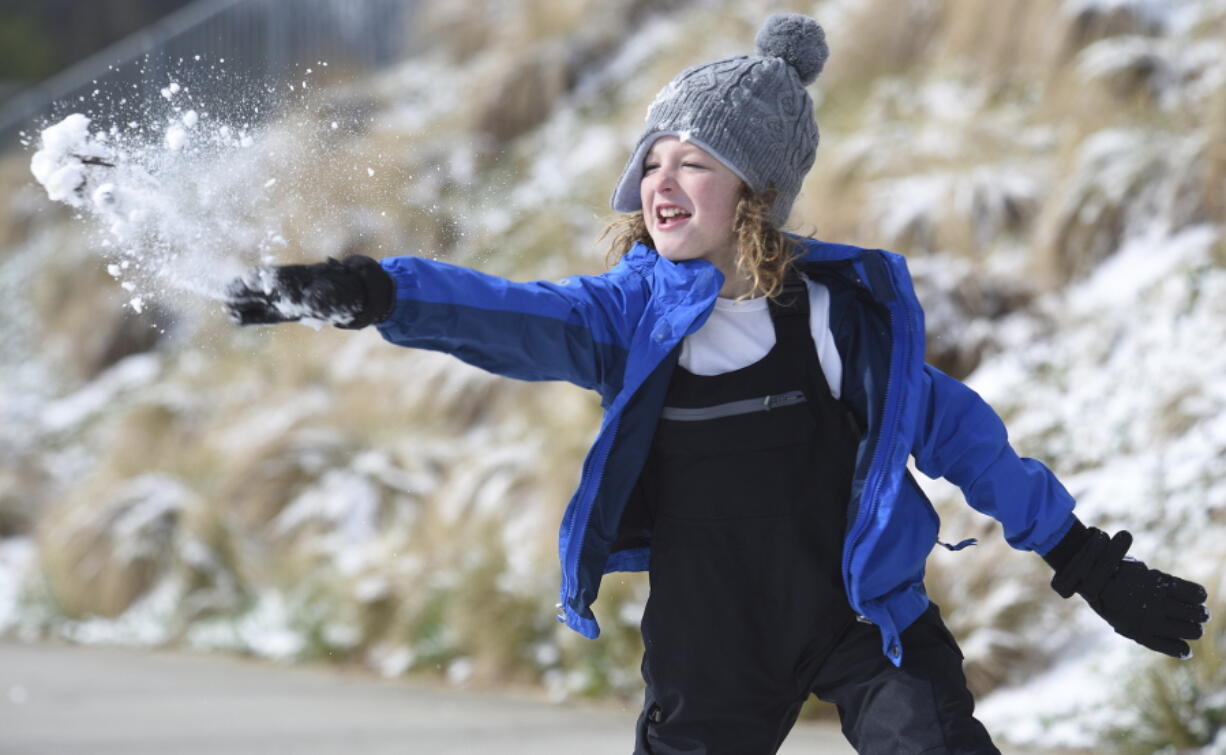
x=263, y=42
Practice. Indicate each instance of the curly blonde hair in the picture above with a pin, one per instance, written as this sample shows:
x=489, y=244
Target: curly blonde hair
x=763, y=251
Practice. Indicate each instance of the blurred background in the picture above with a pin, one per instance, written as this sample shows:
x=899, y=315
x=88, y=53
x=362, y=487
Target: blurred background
x=1054, y=171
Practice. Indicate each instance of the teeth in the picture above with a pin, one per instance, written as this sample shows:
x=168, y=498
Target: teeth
x=672, y=212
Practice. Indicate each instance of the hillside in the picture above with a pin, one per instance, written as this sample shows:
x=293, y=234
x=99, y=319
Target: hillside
x=1054, y=171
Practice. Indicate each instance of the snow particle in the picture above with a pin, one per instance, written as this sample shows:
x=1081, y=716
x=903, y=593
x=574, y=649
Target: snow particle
x=104, y=196
x=176, y=137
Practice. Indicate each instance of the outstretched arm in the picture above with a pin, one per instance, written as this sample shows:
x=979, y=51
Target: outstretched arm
x=959, y=437
x=577, y=330
x=962, y=439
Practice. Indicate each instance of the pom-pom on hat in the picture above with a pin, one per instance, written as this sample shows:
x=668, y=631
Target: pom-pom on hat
x=751, y=112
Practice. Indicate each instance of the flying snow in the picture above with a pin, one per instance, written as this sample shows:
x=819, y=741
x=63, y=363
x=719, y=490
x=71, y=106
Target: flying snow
x=175, y=201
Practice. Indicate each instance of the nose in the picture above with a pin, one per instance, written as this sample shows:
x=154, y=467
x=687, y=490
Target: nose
x=662, y=180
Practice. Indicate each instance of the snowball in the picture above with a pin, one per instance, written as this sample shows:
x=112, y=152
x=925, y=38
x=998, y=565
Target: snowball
x=58, y=164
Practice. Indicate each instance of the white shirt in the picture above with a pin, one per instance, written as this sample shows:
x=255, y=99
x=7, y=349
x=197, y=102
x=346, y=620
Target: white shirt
x=739, y=333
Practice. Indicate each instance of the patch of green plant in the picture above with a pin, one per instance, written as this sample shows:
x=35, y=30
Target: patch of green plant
x=430, y=634
x=314, y=608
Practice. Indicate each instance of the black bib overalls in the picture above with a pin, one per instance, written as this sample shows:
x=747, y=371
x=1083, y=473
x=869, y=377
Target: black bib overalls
x=747, y=484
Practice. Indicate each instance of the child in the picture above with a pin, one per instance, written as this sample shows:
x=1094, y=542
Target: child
x=762, y=394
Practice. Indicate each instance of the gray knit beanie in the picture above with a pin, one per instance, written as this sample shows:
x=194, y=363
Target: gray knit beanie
x=751, y=113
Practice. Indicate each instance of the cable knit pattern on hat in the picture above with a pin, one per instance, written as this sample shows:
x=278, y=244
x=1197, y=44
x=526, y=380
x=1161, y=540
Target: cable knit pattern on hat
x=750, y=112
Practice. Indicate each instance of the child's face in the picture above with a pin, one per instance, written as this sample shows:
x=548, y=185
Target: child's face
x=689, y=203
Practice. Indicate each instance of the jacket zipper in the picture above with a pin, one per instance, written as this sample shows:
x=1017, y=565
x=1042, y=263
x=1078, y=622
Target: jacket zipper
x=572, y=562
x=873, y=483
x=733, y=408
x=869, y=494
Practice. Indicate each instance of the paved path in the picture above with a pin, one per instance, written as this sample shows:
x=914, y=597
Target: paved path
x=68, y=700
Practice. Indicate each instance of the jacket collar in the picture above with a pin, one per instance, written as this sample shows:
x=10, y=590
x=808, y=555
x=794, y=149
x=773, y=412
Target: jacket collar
x=824, y=251
x=696, y=283
x=676, y=284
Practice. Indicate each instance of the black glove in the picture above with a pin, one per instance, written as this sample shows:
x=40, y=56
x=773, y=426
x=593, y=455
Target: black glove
x=1143, y=604
x=351, y=293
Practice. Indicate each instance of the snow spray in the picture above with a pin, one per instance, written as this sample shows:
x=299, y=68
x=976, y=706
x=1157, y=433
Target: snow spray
x=176, y=193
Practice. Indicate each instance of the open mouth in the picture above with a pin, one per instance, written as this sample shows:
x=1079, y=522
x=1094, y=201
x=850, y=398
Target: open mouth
x=670, y=216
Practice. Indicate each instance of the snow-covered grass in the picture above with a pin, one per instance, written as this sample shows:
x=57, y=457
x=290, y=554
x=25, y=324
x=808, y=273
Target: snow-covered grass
x=1115, y=383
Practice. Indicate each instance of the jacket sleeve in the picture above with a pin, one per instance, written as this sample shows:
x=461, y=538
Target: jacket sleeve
x=574, y=330
x=959, y=437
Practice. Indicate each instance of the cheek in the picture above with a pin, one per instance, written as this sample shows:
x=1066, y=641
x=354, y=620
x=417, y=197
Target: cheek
x=718, y=186
x=722, y=202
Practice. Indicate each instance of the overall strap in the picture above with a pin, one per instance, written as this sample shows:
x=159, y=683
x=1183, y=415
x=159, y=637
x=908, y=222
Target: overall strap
x=790, y=316
x=793, y=301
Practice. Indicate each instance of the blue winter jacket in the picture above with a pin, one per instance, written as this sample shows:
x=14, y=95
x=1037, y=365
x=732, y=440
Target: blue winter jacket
x=619, y=334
